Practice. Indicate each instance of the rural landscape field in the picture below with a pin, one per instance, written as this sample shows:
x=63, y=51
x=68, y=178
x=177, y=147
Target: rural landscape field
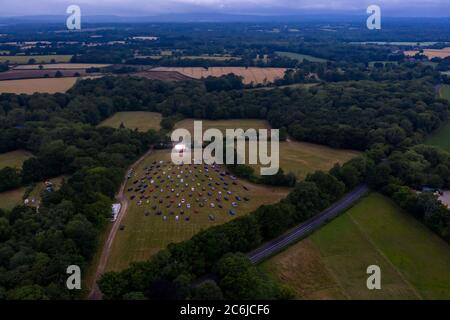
x=249, y=75
x=331, y=263
x=108, y=192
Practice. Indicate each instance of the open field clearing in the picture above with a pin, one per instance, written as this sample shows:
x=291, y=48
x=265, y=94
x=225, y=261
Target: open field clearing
x=398, y=43
x=222, y=125
x=299, y=57
x=30, y=86
x=141, y=120
x=293, y=86
x=331, y=263
x=14, y=159
x=431, y=53
x=162, y=75
x=299, y=158
x=441, y=138
x=302, y=158
x=38, y=59
x=12, y=198
x=61, y=66
x=202, y=196
x=206, y=57
x=250, y=75
x=36, y=73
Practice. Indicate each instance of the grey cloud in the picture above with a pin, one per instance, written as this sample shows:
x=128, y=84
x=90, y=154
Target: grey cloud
x=153, y=7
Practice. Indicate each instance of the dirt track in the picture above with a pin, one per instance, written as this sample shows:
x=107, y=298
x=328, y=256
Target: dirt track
x=95, y=293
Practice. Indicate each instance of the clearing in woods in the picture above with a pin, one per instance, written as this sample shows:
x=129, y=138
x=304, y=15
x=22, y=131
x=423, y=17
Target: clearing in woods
x=141, y=120
x=38, y=59
x=14, y=159
x=300, y=57
x=12, y=198
x=441, y=138
x=300, y=158
x=332, y=262
x=177, y=203
x=250, y=75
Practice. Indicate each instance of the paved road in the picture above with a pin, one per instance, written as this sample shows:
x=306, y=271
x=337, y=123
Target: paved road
x=95, y=293
x=305, y=228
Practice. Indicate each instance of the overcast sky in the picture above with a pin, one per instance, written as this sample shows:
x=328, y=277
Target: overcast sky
x=155, y=7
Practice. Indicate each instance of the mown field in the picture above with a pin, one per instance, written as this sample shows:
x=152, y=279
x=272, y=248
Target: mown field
x=441, y=138
x=299, y=158
x=14, y=159
x=300, y=57
x=30, y=86
x=332, y=262
x=64, y=66
x=431, y=53
x=147, y=232
x=141, y=120
x=38, y=59
x=250, y=75
x=12, y=198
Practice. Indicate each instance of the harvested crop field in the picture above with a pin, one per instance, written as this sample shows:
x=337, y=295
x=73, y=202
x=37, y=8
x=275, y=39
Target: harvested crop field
x=30, y=86
x=250, y=75
x=163, y=75
x=431, y=53
x=140, y=120
x=66, y=66
x=34, y=74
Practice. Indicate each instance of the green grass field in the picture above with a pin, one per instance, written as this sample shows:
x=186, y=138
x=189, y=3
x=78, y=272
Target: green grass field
x=441, y=138
x=300, y=57
x=141, y=120
x=299, y=158
x=332, y=262
x=222, y=125
x=145, y=235
x=302, y=158
x=14, y=159
x=12, y=198
x=38, y=59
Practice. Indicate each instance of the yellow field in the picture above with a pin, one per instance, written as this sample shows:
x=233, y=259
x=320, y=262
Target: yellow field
x=250, y=75
x=66, y=66
x=39, y=59
x=10, y=199
x=30, y=86
x=141, y=120
x=431, y=53
x=145, y=235
x=14, y=159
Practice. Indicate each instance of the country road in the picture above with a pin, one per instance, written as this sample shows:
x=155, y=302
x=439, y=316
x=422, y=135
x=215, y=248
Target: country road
x=270, y=248
x=95, y=293
x=305, y=228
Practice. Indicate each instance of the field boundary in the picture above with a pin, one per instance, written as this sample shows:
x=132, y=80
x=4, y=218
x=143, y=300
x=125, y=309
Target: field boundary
x=95, y=293
x=369, y=240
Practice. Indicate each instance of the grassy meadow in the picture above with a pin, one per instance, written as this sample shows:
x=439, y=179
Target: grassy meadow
x=332, y=262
